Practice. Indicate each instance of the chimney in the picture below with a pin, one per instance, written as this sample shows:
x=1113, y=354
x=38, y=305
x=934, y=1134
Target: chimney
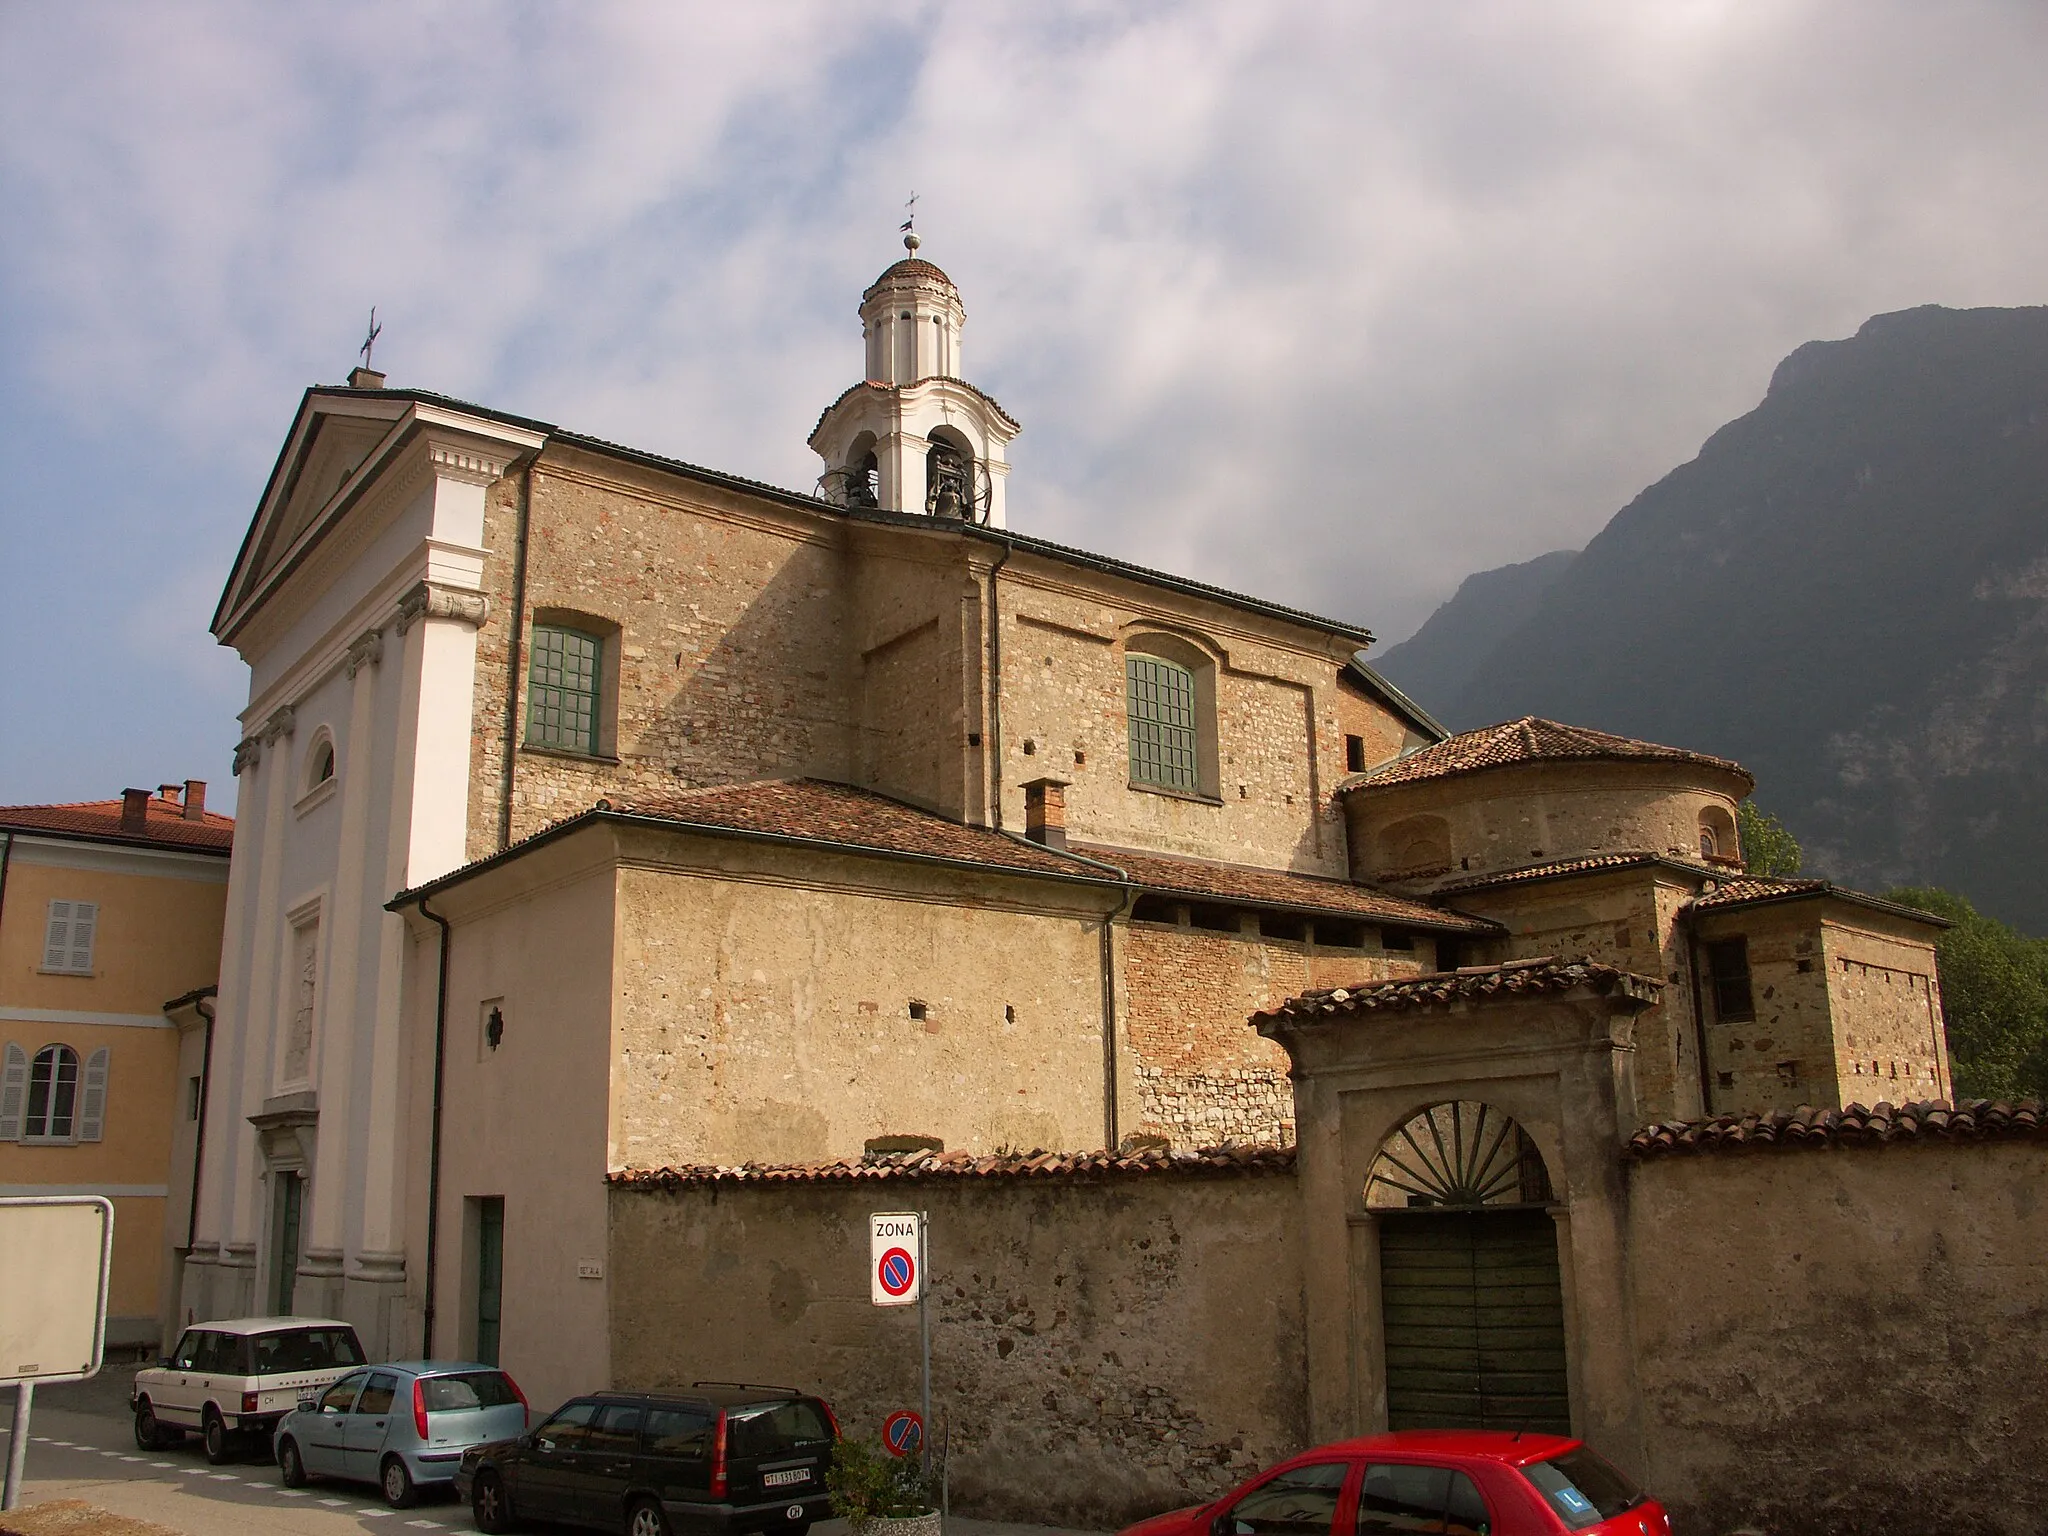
x=134, y=810
x=365, y=378
x=170, y=794
x=195, y=799
x=1045, y=812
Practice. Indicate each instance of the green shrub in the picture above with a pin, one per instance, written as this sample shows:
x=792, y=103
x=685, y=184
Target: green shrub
x=867, y=1483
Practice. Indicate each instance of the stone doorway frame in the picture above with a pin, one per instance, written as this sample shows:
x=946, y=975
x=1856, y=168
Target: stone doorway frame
x=1551, y=1045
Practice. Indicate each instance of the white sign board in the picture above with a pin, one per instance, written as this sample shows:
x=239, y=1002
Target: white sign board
x=895, y=1258
x=55, y=1255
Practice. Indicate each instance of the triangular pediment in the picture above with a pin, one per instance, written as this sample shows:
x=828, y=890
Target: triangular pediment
x=329, y=442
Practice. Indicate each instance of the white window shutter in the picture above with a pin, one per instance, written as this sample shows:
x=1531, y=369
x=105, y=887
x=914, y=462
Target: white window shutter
x=92, y=1097
x=57, y=937
x=85, y=918
x=13, y=1092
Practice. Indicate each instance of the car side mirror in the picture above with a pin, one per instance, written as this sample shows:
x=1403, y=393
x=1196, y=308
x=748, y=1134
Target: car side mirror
x=163, y=1362
x=308, y=1403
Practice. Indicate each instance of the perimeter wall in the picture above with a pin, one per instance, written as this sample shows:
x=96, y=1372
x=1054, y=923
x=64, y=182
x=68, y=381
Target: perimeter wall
x=1845, y=1338
x=1107, y=1346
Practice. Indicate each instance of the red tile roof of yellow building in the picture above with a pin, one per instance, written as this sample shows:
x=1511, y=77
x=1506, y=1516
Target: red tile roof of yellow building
x=164, y=824
x=1530, y=740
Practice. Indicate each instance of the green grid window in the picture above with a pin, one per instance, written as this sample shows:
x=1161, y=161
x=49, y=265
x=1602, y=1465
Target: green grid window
x=562, y=689
x=1160, y=698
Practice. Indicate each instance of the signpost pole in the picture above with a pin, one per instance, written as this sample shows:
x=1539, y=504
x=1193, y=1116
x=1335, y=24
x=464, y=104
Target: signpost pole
x=17, y=1444
x=924, y=1329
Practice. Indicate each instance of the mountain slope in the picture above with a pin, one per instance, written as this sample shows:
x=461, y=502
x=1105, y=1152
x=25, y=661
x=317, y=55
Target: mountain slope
x=1848, y=591
x=1440, y=659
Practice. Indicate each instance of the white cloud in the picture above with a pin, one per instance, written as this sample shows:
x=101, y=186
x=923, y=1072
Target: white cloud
x=1335, y=302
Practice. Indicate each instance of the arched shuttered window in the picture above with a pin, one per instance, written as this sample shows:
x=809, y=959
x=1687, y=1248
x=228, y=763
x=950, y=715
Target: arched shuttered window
x=51, y=1098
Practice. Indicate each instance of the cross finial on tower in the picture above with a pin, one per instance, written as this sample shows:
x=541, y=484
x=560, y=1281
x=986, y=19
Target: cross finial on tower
x=910, y=240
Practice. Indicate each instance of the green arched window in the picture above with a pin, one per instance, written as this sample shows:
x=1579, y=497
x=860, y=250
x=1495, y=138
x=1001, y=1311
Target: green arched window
x=1160, y=701
x=562, y=689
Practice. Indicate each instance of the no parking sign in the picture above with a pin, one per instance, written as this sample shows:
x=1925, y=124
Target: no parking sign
x=895, y=1269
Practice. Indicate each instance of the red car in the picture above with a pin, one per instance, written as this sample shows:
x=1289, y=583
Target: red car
x=1450, y=1482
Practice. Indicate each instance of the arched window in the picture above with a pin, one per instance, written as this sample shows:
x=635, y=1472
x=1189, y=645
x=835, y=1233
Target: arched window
x=862, y=476
x=319, y=762
x=52, y=1098
x=52, y=1094
x=1717, y=836
x=565, y=690
x=1415, y=846
x=1160, y=697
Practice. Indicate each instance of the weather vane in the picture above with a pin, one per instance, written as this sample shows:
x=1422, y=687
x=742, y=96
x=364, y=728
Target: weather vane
x=910, y=240
x=370, y=340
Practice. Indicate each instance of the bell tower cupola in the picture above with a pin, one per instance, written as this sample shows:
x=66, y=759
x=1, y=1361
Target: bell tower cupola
x=913, y=436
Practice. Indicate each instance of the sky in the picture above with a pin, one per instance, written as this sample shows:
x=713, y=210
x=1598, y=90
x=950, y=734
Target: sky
x=1333, y=303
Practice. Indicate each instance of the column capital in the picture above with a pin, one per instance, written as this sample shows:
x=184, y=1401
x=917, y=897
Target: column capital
x=282, y=722
x=248, y=753
x=432, y=600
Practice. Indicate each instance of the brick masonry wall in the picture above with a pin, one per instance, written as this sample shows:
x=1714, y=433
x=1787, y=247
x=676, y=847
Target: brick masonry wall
x=1204, y=1076
x=1844, y=1340
x=1102, y=1350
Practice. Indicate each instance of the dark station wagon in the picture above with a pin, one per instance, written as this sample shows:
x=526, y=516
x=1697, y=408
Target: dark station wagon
x=715, y=1459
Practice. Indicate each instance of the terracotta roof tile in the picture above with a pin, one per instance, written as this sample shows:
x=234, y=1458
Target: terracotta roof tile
x=914, y=268
x=1279, y=888
x=1528, y=740
x=100, y=820
x=962, y=1166
x=1477, y=983
x=1927, y=1121
x=1619, y=859
x=821, y=811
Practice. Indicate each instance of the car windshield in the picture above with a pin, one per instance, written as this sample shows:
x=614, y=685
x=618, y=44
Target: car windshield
x=305, y=1349
x=1583, y=1487
x=774, y=1430
x=475, y=1389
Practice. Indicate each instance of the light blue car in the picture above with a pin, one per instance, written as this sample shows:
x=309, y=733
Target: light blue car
x=402, y=1426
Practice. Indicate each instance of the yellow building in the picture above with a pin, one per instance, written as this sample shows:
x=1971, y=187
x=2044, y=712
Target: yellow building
x=108, y=909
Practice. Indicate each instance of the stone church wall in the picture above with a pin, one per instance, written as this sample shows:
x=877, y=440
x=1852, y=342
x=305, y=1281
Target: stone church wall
x=1889, y=1042
x=1845, y=1339
x=1203, y=1077
x=1104, y=1348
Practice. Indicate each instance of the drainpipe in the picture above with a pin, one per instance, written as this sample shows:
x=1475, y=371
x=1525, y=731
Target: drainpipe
x=434, y=1140
x=205, y=1007
x=6, y=858
x=994, y=735
x=1110, y=1114
x=513, y=652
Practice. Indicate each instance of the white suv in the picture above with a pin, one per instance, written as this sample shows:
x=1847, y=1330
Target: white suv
x=238, y=1377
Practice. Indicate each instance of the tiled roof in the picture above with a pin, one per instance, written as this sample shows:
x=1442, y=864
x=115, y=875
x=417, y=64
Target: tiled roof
x=1750, y=890
x=1528, y=740
x=1277, y=888
x=818, y=810
x=912, y=267
x=1476, y=983
x=1931, y=1120
x=1558, y=867
x=964, y=1165
x=164, y=825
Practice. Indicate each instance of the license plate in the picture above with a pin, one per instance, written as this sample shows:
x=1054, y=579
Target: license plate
x=784, y=1479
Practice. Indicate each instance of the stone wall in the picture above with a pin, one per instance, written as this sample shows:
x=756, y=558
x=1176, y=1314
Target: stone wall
x=1105, y=1347
x=1203, y=1077
x=1889, y=1038
x=1844, y=1339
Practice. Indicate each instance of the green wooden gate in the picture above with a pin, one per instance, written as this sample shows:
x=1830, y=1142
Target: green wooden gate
x=1473, y=1312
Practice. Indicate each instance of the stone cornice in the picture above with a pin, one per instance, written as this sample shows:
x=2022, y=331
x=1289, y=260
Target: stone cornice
x=432, y=600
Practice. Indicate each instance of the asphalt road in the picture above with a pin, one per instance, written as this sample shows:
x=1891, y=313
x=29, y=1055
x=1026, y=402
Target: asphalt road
x=82, y=1446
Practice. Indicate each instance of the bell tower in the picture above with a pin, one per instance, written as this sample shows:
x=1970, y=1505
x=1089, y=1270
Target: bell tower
x=913, y=436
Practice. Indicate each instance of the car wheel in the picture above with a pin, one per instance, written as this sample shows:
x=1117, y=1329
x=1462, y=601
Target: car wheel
x=214, y=1434
x=647, y=1518
x=290, y=1463
x=396, y=1482
x=148, y=1433
x=489, y=1505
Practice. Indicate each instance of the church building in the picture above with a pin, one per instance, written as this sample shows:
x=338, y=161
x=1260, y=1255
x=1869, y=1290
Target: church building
x=602, y=813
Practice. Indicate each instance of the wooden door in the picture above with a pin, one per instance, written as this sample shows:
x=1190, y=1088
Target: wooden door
x=1473, y=1314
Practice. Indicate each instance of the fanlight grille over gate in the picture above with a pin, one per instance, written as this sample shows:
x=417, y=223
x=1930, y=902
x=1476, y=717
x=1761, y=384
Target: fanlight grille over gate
x=1459, y=1154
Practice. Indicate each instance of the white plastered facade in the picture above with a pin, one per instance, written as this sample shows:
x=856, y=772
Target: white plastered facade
x=355, y=602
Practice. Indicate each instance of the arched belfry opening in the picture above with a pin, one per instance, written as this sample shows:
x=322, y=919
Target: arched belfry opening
x=1471, y=1288
x=950, y=479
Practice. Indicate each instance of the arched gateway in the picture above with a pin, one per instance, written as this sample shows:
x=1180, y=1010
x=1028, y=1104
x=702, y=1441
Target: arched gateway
x=1471, y=1294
